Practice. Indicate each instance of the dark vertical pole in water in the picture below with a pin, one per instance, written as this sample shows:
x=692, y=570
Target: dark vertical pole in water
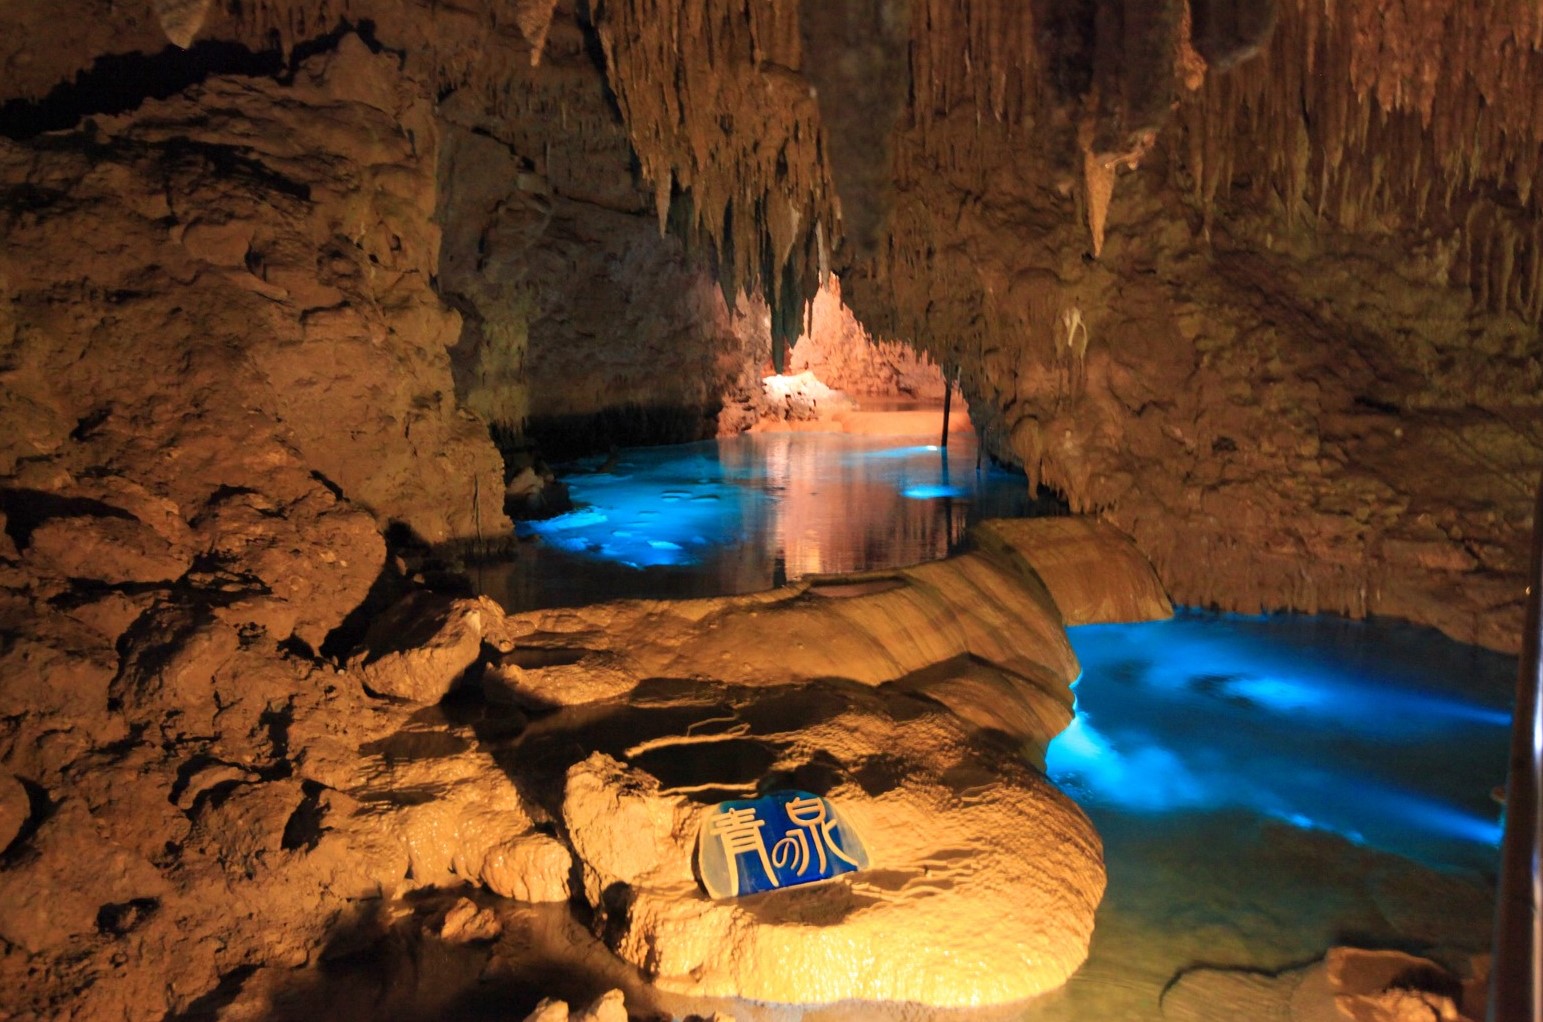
x=948, y=400
x=1516, y=982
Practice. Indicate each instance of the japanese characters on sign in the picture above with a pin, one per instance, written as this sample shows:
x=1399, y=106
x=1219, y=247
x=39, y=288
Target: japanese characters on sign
x=779, y=840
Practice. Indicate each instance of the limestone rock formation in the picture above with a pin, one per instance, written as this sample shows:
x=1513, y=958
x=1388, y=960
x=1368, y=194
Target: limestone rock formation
x=419, y=648
x=976, y=605
x=844, y=356
x=194, y=298
x=1094, y=573
x=583, y=325
x=1316, y=303
x=1259, y=284
x=1349, y=983
x=981, y=889
x=918, y=701
x=609, y=1007
x=181, y=19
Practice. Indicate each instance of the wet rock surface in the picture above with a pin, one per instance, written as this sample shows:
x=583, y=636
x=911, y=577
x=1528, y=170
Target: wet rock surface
x=1294, y=357
x=194, y=299
x=955, y=831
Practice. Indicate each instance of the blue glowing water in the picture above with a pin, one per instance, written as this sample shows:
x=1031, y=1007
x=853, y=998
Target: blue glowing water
x=1387, y=734
x=747, y=513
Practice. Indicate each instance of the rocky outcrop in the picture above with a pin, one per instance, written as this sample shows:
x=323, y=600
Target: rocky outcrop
x=981, y=890
x=1348, y=983
x=844, y=356
x=1094, y=573
x=870, y=629
x=254, y=240
x=917, y=700
x=224, y=372
x=419, y=648
x=585, y=325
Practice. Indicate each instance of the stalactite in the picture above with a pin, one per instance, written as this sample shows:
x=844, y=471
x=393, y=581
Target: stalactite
x=1353, y=112
x=713, y=101
x=1098, y=184
x=181, y=19
x=534, y=18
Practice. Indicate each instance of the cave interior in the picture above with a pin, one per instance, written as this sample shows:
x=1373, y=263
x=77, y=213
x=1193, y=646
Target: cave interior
x=301, y=299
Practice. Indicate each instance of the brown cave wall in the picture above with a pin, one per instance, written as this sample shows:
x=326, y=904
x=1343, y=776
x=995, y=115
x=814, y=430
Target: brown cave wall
x=1260, y=284
x=1303, y=372
x=215, y=318
x=585, y=325
x=239, y=267
x=1330, y=247
x=1270, y=301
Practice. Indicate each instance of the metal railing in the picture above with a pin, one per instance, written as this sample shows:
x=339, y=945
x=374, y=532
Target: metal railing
x=1516, y=977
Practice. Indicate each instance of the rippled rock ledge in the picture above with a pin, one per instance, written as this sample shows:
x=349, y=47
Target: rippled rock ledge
x=571, y=754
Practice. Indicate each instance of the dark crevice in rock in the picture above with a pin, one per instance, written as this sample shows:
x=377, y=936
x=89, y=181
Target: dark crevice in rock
x=303, y=829
x=84, y=591
x=616, y=910
x=207, y=1007
x=185, y=774
x=120, y=82
x=276, y=722
x=1367, y=403
x=299, y=649
x=389, y=587
x=332, y=487
x=88, y=424
x=25, y=510
x=213, y=797
x=564, y=437
x=39, y=808
x=117, y=83
x=328, y=42
x=121, y=917
x=595, y=50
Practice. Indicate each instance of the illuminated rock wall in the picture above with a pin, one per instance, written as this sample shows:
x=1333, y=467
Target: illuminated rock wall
x=1303, y=371
x=846, y=357
x=1262, y=284
x=583, y=323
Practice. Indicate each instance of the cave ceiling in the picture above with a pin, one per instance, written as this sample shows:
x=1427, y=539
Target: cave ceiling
x=1260, y=282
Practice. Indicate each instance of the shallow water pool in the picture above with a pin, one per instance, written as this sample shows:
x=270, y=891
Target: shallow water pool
x=1265, y=787
x=1387, y=734
x=1270, y=787
x=747, y=513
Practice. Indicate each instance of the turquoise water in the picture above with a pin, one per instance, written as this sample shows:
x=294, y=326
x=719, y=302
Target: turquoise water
x=751, y=512
x=1387, y=734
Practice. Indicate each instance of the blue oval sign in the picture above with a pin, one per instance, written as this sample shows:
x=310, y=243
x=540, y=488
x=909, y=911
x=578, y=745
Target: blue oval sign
x=782, y=839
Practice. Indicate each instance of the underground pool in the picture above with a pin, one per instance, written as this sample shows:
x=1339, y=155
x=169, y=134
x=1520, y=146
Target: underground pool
x=746, y=513
x=1265, y=787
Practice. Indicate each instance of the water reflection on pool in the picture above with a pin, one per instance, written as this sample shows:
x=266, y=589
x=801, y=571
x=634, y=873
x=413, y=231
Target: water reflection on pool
x=747, y=513
x=1389, y=735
